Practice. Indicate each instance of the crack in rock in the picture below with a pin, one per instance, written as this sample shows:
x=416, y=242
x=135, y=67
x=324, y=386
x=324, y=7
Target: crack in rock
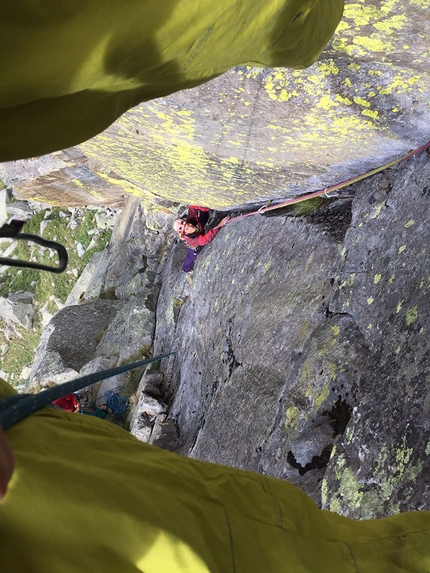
x=228, y=356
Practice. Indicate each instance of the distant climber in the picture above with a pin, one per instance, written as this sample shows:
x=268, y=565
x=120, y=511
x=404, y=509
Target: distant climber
x=97, y=411
x=70, y=403
x=191, y=229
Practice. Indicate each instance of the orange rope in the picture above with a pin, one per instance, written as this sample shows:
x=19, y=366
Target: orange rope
x=327, y=190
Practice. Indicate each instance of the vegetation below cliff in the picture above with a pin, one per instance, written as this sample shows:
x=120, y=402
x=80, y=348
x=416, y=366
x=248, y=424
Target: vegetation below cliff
x=83, y=233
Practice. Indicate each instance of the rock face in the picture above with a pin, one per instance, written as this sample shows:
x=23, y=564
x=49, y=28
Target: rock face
x=301, y=344
x=64, y=178
x=18, y=308
x=71, y=340
x=254, y=134
x=302, y=349
x=109, y=316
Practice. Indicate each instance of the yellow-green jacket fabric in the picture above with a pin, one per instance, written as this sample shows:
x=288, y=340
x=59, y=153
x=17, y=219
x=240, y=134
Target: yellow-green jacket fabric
x=88, y=497
x=69, y=68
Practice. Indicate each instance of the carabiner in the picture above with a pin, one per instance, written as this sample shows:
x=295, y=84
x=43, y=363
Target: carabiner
x=12, y=231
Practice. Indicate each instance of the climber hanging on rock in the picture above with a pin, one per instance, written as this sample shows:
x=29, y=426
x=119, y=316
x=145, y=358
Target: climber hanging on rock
x=191, y=230
x=70, y=403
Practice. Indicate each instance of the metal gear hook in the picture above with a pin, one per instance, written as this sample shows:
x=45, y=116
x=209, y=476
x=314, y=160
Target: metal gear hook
x=12, y=231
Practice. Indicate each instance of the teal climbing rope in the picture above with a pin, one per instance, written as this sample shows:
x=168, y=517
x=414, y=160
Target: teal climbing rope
x=15, y=408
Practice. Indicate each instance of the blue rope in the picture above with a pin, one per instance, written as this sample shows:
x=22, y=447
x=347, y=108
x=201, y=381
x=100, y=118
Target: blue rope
x=118, y=404
x=15, y=408
x=116, y=391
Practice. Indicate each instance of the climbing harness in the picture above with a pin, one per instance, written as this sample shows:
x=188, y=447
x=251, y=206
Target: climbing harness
x=12, y=231
x=329, y=190
x=17, y=407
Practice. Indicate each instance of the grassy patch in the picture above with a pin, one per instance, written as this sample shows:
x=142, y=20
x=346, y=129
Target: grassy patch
x=20, y=351
x=141, y=354
x=45, y=285
x=308, y=206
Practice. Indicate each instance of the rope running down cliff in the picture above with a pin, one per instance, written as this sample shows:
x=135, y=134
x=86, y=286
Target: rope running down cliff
x=325, y=192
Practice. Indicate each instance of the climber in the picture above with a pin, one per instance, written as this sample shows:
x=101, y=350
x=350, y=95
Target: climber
x=128, y=506
x=101, y=411
x=70, y=403
x=71, y=69
x=97, y=411
x=191, y=229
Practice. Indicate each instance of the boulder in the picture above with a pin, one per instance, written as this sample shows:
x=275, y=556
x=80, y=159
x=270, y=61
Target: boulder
x=52, y=370
x=129, y=331
x=18, y=308
x=109, y=316
x=8, y=252
x=4, y=216
x=90, y=280
x=71, y=339
x=257, y=134
x=20, y=210
x=148, y=416
x=4, y=375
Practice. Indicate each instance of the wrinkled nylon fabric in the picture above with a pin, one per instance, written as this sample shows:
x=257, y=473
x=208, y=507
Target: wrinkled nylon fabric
x=87, y=496
x=69, y=68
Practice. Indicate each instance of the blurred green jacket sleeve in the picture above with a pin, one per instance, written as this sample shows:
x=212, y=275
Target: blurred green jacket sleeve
x=70, y=68
x=88, y=496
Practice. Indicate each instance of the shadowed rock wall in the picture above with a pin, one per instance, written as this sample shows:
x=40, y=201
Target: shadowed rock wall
x=302, y=344
x=302, y=350
x=109, y=316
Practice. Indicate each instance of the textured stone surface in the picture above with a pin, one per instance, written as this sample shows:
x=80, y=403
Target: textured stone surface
x=148, y=417
x=18, y=308
x=302, y=346
x=384, y=285
x=109, y=317
x=129, y=331
x=4, y=216
x=20, y=210
x=302, y=349
x=71, y=338
x=51, y=371
x=258, y=295
x=255, y=134
x=63, y=178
